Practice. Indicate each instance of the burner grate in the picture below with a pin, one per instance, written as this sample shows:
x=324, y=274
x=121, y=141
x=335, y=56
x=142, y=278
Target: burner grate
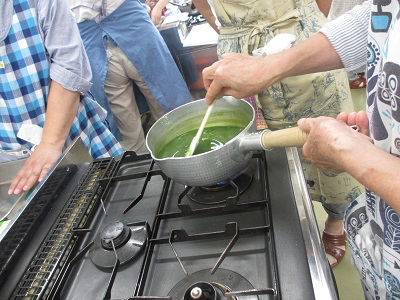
x=45, y=267
x=52, y=268
x=31, y=217
x=232, y=205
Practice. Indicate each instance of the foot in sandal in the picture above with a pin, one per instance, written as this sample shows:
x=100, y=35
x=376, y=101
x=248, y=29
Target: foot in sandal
x=334, y=240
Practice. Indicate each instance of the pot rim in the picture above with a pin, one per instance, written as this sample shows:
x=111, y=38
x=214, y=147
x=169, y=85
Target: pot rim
x=205, y=153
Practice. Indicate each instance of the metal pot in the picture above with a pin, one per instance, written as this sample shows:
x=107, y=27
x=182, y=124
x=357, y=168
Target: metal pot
x=219, y=164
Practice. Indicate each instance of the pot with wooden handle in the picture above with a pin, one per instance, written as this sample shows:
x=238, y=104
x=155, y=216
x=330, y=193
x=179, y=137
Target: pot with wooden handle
x=219, y=164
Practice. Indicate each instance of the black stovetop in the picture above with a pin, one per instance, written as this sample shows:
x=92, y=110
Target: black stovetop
x=250, y=241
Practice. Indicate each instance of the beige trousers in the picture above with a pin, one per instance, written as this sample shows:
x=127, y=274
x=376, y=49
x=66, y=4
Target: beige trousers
x=118, y=86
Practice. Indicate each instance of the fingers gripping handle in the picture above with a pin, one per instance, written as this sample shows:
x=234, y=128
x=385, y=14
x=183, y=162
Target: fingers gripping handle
x=289, y=137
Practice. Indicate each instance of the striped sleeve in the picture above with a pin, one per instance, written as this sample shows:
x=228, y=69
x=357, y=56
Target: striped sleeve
x=348, y=34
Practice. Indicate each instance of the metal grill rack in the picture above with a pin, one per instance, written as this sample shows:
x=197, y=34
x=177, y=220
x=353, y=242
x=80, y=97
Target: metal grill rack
x=232, y=205
x=232, y=230
x=44, y=269
x=31, y=217
x=52, y=264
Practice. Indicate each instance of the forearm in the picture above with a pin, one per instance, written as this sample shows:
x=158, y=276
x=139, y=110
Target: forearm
x=316, y=54
x=161, y=4
x=61, y=110
x=375, y=169
x=205, y=10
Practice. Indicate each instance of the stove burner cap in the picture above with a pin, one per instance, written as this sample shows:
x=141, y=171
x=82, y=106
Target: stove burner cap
x=202, y=285
x=201, y=291
x=220, y=192
x=114, y=233
x=129, y=240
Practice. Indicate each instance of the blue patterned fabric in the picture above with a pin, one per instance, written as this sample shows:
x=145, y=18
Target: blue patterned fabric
x=372, y=226
x=143, y=45
x=24, y=86
x=23, y=76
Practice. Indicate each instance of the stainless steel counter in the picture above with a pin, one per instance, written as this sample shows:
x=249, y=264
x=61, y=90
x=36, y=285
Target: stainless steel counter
x=321, y=275
x=9, y=204
x=74, y=154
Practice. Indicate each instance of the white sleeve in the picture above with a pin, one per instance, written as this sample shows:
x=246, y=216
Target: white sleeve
x=348, y=34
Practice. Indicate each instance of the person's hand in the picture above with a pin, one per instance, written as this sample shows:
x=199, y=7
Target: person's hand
x=155, y=15
x=35, y=168
x=359, y=119
x=238, y=75
x=330, y=141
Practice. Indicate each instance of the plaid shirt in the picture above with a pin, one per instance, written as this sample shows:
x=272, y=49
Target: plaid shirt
x=24, y=81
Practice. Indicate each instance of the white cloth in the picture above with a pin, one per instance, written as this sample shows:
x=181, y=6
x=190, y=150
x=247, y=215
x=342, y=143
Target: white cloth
x=277, y=44
x=81, y=11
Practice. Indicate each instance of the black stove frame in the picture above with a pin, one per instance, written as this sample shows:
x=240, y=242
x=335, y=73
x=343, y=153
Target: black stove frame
x=100, y=178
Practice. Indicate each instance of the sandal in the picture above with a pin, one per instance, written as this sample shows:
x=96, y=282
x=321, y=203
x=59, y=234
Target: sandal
x=359, y=83
x=332, y=244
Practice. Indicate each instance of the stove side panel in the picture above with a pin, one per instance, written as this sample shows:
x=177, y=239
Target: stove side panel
x=293, y=270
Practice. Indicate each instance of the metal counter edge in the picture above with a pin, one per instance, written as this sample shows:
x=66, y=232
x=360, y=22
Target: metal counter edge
x=75, y=153
x=321, y=275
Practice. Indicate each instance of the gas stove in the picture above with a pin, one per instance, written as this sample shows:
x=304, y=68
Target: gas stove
x=120, y=229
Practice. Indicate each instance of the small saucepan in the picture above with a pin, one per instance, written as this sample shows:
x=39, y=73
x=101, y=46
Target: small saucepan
x=222, y=163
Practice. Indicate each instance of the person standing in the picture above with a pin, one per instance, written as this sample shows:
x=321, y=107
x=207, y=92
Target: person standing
x=249, y=25
x=126, y=51
x=43, y=82
x=370, y=34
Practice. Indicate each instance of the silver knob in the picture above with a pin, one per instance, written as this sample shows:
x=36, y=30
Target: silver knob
x=196, y=293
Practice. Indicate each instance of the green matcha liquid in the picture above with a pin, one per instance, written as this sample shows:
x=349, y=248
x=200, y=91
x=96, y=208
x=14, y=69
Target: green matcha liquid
x=212, y=138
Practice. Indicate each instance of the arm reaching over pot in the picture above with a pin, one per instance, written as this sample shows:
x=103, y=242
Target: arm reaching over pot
x=241, y=75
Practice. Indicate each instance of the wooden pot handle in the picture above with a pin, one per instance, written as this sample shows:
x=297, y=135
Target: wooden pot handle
x=289, y=137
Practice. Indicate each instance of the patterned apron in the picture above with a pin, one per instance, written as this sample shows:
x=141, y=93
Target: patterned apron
x=24, y=87
x=372, y=226
x=250, y=24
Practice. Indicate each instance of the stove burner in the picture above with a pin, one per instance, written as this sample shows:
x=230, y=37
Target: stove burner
x=218, y=193
x=128, y=239
x=203, y=285
x=115, y=233
x=201, y=291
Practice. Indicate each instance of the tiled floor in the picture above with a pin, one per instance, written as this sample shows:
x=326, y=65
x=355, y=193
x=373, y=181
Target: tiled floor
x=347, y=278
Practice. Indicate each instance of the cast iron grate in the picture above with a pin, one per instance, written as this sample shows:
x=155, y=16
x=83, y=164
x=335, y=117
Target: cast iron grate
x=58, y=253
x=18, y=235
x=232, y=205
x=59, y=243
